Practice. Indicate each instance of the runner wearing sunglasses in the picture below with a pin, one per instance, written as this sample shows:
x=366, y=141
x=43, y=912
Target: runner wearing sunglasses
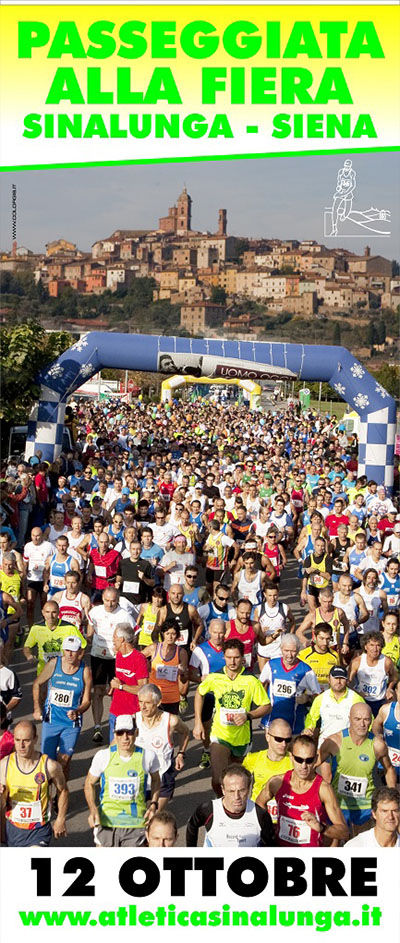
x=307, y=808
x=273, y=761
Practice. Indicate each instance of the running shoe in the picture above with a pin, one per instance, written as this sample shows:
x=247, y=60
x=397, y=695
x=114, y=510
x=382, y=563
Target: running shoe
x=183, y=705
x=205, y=761
x=98, y=736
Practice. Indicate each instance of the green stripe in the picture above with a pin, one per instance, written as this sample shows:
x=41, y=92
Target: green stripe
x=189, y=160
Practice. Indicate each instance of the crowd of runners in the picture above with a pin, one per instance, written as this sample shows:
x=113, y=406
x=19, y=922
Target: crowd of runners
x=148, y=566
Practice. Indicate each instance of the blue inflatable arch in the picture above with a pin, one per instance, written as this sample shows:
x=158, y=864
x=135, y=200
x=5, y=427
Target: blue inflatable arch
x=219, y=358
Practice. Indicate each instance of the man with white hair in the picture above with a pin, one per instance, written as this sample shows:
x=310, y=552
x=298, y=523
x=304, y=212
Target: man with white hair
x=380, y=504
x=290, y=683
x=157, y=730
x=103, y=620
x=131, y=673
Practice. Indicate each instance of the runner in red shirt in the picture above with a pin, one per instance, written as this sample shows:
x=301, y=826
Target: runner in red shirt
x=131, y=672
x=103, y=566
x=167, y=487
x=242, y=628
x=334, y=520
x=307, y=806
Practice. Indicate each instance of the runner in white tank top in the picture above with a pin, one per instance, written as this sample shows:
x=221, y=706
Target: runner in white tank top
x=157, y=738
x=54, y=534
x=274, y=617
x=349, y=607
x=71, y=610
x=226, y=831
x=373, y=602
x=372, y=680
x=250, y=589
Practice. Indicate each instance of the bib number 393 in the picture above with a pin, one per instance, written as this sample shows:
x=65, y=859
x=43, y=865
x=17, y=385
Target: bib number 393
x=123, y=789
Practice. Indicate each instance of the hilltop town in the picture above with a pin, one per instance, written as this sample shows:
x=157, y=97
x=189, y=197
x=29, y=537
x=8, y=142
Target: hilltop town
x=208, y=283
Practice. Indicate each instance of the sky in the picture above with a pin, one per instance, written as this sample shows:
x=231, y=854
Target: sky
x=279, y=197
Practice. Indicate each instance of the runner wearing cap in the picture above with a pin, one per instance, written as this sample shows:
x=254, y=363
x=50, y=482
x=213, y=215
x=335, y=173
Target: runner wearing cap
x=330, y=710
x=68, y=697
x=121, y=816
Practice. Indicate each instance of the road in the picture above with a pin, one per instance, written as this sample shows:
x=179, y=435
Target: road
x=193, y=784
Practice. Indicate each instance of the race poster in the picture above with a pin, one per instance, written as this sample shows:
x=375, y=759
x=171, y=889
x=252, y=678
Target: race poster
x=120, y=120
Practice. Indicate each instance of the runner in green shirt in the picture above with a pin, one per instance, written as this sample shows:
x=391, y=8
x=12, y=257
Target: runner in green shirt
x=49, y=635
x=234, y=693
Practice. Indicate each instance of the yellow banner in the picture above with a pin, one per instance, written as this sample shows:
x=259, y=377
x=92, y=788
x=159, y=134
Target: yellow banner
x=99, y=84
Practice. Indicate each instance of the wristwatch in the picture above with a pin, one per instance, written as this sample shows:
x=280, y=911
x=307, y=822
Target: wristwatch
x=120, y=685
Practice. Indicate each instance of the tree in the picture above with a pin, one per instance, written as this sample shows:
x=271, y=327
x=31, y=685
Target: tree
x=25, y=350
x=337, y=337
x=371, y=337
x=381, y=332
x=242, y=246
x=389, y=377
x=218, y=295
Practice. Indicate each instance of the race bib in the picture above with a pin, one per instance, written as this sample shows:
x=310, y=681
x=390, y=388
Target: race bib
x=148, y=626
x=61, y=697
x=167, y=672
x=369, y=690
x=124, y=789
x=294, y=831
x=27, y=813
x=272, y=808
x=394, y=756
x=248, y=659
x=130, y=587
x=352, y=786
x=392, y=600
x=101, y=571
x=57, y=581
x=317, y=580
x=183, y=637
x=227, y=716
x=284, y=688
